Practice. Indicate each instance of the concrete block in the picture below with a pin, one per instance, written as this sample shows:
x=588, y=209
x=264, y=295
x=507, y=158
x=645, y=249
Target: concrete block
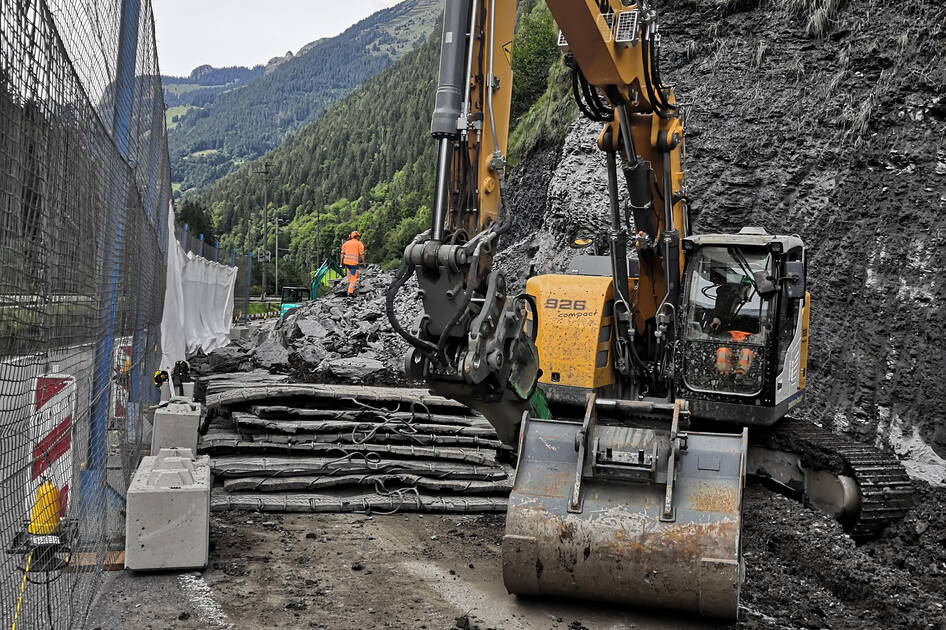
x=176, y=425
x=168, y=512
x=188, y=389
x=166, y=392
x=237, y=333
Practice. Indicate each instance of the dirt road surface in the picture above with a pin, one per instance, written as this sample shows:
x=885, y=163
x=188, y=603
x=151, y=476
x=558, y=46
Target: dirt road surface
x=342, y=571
x=435, y=572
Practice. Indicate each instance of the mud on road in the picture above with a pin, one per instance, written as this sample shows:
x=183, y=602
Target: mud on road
x=441, y=572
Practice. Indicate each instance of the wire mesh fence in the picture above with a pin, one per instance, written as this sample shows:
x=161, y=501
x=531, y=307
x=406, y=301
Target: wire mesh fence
x=201, y=246
x=84, y=197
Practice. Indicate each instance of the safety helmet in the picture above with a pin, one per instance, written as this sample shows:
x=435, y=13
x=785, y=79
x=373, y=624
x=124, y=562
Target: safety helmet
x=354, y=234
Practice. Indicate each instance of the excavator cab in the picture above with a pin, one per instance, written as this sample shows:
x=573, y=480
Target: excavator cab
x=742, y=347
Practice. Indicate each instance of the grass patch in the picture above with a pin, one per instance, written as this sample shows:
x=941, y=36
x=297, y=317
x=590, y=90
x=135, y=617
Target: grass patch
x=173, y=114
x=256, y=308
x=204, y=153
x=819, y=15
x=548, y=120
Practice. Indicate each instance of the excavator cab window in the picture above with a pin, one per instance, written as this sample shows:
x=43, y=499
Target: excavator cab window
x=726, y=319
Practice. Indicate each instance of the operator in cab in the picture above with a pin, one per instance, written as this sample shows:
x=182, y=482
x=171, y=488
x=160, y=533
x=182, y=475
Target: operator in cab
x=727, y=320
x=352, y=257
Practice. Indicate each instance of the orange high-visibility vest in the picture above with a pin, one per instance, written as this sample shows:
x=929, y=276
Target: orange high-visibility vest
x=352, y=250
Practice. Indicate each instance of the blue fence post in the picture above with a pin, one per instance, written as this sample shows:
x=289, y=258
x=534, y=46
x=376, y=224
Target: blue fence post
x=216, y=251
x=233, y=258
x=105, y=348
x=201, y=245
x=249, y=281
x=187, y=238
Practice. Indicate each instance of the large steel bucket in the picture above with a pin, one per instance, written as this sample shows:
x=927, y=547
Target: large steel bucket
x=613, y=545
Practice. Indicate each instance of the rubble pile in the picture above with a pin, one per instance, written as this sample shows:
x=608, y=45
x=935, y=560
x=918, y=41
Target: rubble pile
x=337, y=448
x=334, y=339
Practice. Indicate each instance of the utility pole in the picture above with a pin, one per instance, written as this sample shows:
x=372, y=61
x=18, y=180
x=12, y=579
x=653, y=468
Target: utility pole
x=318, y=235
x=276, y=222
x=265, y=172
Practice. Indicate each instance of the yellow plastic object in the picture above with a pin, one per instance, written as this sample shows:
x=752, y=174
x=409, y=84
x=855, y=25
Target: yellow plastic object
x=44, y=519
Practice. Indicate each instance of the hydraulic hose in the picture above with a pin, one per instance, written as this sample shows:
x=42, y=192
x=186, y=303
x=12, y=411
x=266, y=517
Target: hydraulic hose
x=581, y=93
x=400, y=280
x=655, y=70
x=594, y=100
x=657, y=105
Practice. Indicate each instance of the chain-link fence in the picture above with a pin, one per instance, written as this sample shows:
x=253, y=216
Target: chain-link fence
x=84, y=197
x=201, y=246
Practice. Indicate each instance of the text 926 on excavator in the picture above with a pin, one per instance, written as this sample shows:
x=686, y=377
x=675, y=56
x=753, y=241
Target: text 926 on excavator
x=626, y=385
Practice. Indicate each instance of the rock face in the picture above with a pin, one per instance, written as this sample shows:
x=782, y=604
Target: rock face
x=332, y=339
x=826, y=138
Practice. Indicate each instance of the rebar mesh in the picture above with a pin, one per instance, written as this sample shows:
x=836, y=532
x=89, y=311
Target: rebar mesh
x=84, y=197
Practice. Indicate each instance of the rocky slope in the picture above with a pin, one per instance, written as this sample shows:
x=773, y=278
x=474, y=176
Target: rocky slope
x=335, y=339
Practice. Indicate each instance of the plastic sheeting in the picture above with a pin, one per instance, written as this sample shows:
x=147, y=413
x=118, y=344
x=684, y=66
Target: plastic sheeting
x=198, y=304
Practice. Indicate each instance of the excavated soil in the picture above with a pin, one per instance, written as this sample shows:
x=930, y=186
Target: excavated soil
x=843, y=141
x=802, y=571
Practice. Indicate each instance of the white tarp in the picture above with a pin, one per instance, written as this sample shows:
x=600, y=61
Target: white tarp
x=198, y=303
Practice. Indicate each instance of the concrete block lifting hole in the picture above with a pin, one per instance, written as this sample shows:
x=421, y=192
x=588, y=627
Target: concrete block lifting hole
x=176, y=426
x=167, y=524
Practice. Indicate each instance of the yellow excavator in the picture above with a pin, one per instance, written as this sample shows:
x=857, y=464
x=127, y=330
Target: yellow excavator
x=627, y=385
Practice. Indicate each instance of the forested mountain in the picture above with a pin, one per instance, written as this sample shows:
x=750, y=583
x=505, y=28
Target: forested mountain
x=367, y=163
x=216, y=126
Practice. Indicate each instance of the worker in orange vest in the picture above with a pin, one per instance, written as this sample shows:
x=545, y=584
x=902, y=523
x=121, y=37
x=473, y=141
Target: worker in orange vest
x=730, y=298
x=353, y=256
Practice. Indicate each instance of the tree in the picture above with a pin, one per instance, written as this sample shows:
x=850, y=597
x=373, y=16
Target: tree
x=197, y=218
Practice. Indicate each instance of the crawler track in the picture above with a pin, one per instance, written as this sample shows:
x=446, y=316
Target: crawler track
x=886, y=490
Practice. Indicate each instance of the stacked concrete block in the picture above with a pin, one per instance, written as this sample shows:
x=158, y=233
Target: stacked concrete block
x=176, y=425
x=167, y=524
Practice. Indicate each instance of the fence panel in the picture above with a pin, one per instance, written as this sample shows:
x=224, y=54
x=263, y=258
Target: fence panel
x=84, y=194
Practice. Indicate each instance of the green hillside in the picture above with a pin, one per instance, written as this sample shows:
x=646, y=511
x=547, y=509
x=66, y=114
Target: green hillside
x=242, y=122
x=367, y=163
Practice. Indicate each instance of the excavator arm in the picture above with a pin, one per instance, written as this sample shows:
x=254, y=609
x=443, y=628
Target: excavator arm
x=471, y=341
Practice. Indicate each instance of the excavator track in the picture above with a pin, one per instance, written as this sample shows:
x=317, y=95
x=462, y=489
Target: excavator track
x=885, y=488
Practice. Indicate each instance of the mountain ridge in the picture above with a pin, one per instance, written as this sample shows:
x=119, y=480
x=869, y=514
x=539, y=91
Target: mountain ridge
x=218, y=127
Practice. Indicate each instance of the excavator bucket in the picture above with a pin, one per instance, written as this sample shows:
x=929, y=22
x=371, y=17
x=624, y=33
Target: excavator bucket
x=594, y=514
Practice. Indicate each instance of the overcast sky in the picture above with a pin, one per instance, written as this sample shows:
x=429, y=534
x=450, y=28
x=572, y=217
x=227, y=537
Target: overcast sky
x=247, y=32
